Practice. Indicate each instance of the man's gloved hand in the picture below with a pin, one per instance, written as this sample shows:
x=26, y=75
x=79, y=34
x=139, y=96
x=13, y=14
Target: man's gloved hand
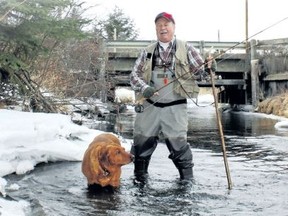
x=200, y=76
x=206, y=76
x=149, y=92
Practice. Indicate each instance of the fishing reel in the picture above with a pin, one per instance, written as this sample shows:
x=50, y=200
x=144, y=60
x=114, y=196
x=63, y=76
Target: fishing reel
x=139, y=108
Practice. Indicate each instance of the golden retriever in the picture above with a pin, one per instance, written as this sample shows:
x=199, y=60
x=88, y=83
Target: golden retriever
x=103, y=159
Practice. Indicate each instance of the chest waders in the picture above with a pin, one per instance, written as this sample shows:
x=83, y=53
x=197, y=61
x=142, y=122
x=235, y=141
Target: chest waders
x=165, y=115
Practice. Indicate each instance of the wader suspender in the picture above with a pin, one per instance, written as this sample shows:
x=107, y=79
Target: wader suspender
x=166, y=66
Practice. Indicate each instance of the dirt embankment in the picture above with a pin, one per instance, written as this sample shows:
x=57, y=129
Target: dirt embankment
x=277, y=105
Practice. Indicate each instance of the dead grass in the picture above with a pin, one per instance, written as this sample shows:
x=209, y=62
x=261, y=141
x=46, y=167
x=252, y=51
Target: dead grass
x=277, y=105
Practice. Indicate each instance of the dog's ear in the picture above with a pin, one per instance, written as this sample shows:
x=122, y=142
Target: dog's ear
x=103, y=155
x=94, y=161
x=108, y=154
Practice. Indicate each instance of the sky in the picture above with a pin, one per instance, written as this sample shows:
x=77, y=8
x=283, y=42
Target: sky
x=208, y=20
x=27, y=139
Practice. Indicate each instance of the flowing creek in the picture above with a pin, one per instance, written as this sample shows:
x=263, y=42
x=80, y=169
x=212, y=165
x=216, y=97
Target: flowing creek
x=257, y=157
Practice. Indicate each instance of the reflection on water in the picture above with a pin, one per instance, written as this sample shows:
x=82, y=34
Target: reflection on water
x=257, y=156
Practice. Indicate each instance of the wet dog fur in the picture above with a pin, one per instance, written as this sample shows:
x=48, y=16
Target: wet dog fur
x=102, y=162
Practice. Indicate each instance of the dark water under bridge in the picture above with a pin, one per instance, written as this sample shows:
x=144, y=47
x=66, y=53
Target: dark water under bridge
x=249, y=72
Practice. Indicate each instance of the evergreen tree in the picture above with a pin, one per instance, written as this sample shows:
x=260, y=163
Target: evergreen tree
x=31, y=34
x=118, y=26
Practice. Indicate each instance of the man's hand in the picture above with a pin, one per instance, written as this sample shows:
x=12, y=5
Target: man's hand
x=149, y=92
x=209, y=62
x=201, y=76
x=198, y=76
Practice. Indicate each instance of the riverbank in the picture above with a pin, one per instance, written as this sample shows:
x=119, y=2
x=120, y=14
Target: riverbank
x=276, y=105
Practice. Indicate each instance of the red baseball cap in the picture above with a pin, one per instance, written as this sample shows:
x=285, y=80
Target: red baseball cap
x=165, y=15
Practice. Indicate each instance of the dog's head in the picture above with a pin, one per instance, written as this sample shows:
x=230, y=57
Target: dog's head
x=103, y=160
x=114, y=155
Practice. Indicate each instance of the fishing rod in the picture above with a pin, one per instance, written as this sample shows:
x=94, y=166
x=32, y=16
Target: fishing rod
x=215, y=96
x=138, y=104
x=225, y=51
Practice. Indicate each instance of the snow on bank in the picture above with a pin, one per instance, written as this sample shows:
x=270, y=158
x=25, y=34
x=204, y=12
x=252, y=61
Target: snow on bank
x=27, y=139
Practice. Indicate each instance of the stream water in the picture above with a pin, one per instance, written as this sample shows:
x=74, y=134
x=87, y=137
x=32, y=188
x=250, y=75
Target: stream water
x=258, y=163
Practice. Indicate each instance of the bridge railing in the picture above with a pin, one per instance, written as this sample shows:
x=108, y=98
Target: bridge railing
x=127, y=46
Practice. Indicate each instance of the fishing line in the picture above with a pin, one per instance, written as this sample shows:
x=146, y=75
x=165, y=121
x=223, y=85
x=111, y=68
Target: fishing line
x=214, y=57
x=243, y=41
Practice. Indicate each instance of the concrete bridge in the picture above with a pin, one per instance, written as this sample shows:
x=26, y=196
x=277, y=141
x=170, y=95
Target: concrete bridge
x=249, y=71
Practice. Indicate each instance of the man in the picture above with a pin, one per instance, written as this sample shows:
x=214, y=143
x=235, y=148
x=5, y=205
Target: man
x=163, y=77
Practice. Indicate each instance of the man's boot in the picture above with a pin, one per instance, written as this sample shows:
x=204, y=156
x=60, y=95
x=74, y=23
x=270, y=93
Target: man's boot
x=141, y=170
x=186, y=174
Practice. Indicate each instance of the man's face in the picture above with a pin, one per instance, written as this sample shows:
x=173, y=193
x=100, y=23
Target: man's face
x=165, y=30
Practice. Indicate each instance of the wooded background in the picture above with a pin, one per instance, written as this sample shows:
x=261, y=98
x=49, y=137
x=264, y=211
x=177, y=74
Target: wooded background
x=50, y=52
